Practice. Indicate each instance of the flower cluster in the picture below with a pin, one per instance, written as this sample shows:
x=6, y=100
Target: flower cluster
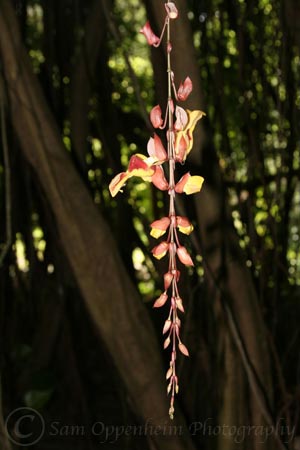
x=179, y=125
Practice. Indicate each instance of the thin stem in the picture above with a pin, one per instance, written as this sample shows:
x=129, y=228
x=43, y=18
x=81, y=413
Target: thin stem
x=173, y=239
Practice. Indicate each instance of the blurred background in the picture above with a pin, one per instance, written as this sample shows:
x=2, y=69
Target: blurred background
x=80, y=342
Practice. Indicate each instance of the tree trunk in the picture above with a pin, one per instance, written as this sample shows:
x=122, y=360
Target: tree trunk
x=87, y=242
x=82, y=80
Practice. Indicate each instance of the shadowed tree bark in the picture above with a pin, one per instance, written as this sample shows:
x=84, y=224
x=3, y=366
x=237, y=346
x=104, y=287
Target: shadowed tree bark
x=82, y=80
x=111, y=299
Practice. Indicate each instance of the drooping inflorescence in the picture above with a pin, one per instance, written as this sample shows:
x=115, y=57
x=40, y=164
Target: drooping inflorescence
x=179, y=124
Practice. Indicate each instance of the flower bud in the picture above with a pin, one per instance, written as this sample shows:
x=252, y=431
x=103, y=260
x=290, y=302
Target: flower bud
x=183, y=256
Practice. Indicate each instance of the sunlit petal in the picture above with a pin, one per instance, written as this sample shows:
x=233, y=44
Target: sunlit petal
x=189, y=184
x=117, y=182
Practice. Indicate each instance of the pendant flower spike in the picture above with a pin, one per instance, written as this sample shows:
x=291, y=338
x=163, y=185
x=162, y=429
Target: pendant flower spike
x=178, y=124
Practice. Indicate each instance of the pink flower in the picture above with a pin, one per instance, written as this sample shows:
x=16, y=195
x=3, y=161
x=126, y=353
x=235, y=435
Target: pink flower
x=156, y=117
x=159, y=180
x=139, y=166
x=159, y=227
x=189, y=184
x=181, y=145
x=184, y=256
x=156, y=149
x=151, y=37
x=181, y=118
x=184, y=225
x=185, y=89
x=160, y=250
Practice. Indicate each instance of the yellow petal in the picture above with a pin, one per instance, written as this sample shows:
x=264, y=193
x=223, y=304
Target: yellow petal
x=140, y=166
x=194, y=116
x=156, y=233
x=193, y=184
x=117, y=182
x=186, y=230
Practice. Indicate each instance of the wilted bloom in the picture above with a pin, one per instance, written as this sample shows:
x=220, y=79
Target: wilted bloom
x=160, y=250
x=185, y=89
x=189, y=184
x=184, y=225
x=156, y=117
x=171, y=10
x=159, y=227
x=184, y=256
x=156, y=149
x=151, y=37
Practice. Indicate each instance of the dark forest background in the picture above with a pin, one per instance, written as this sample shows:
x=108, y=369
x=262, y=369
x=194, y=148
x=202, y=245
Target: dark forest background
x=80, y=342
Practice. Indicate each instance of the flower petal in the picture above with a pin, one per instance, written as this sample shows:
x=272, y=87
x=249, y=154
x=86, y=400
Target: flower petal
x=160, y=301
x=117, y=182
x=185, y=89
x=160, y=250
x=181, y=146
x=189, y=184
x=184, y=256
x=184, y=225
x=156, y=116
x=194, y=116
x=159, y=227
x=151, y=37
x=156, y=149
x=181, y=118
x=159, y=180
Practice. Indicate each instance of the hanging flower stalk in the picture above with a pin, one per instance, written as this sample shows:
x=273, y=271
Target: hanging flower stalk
x=179, y=125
